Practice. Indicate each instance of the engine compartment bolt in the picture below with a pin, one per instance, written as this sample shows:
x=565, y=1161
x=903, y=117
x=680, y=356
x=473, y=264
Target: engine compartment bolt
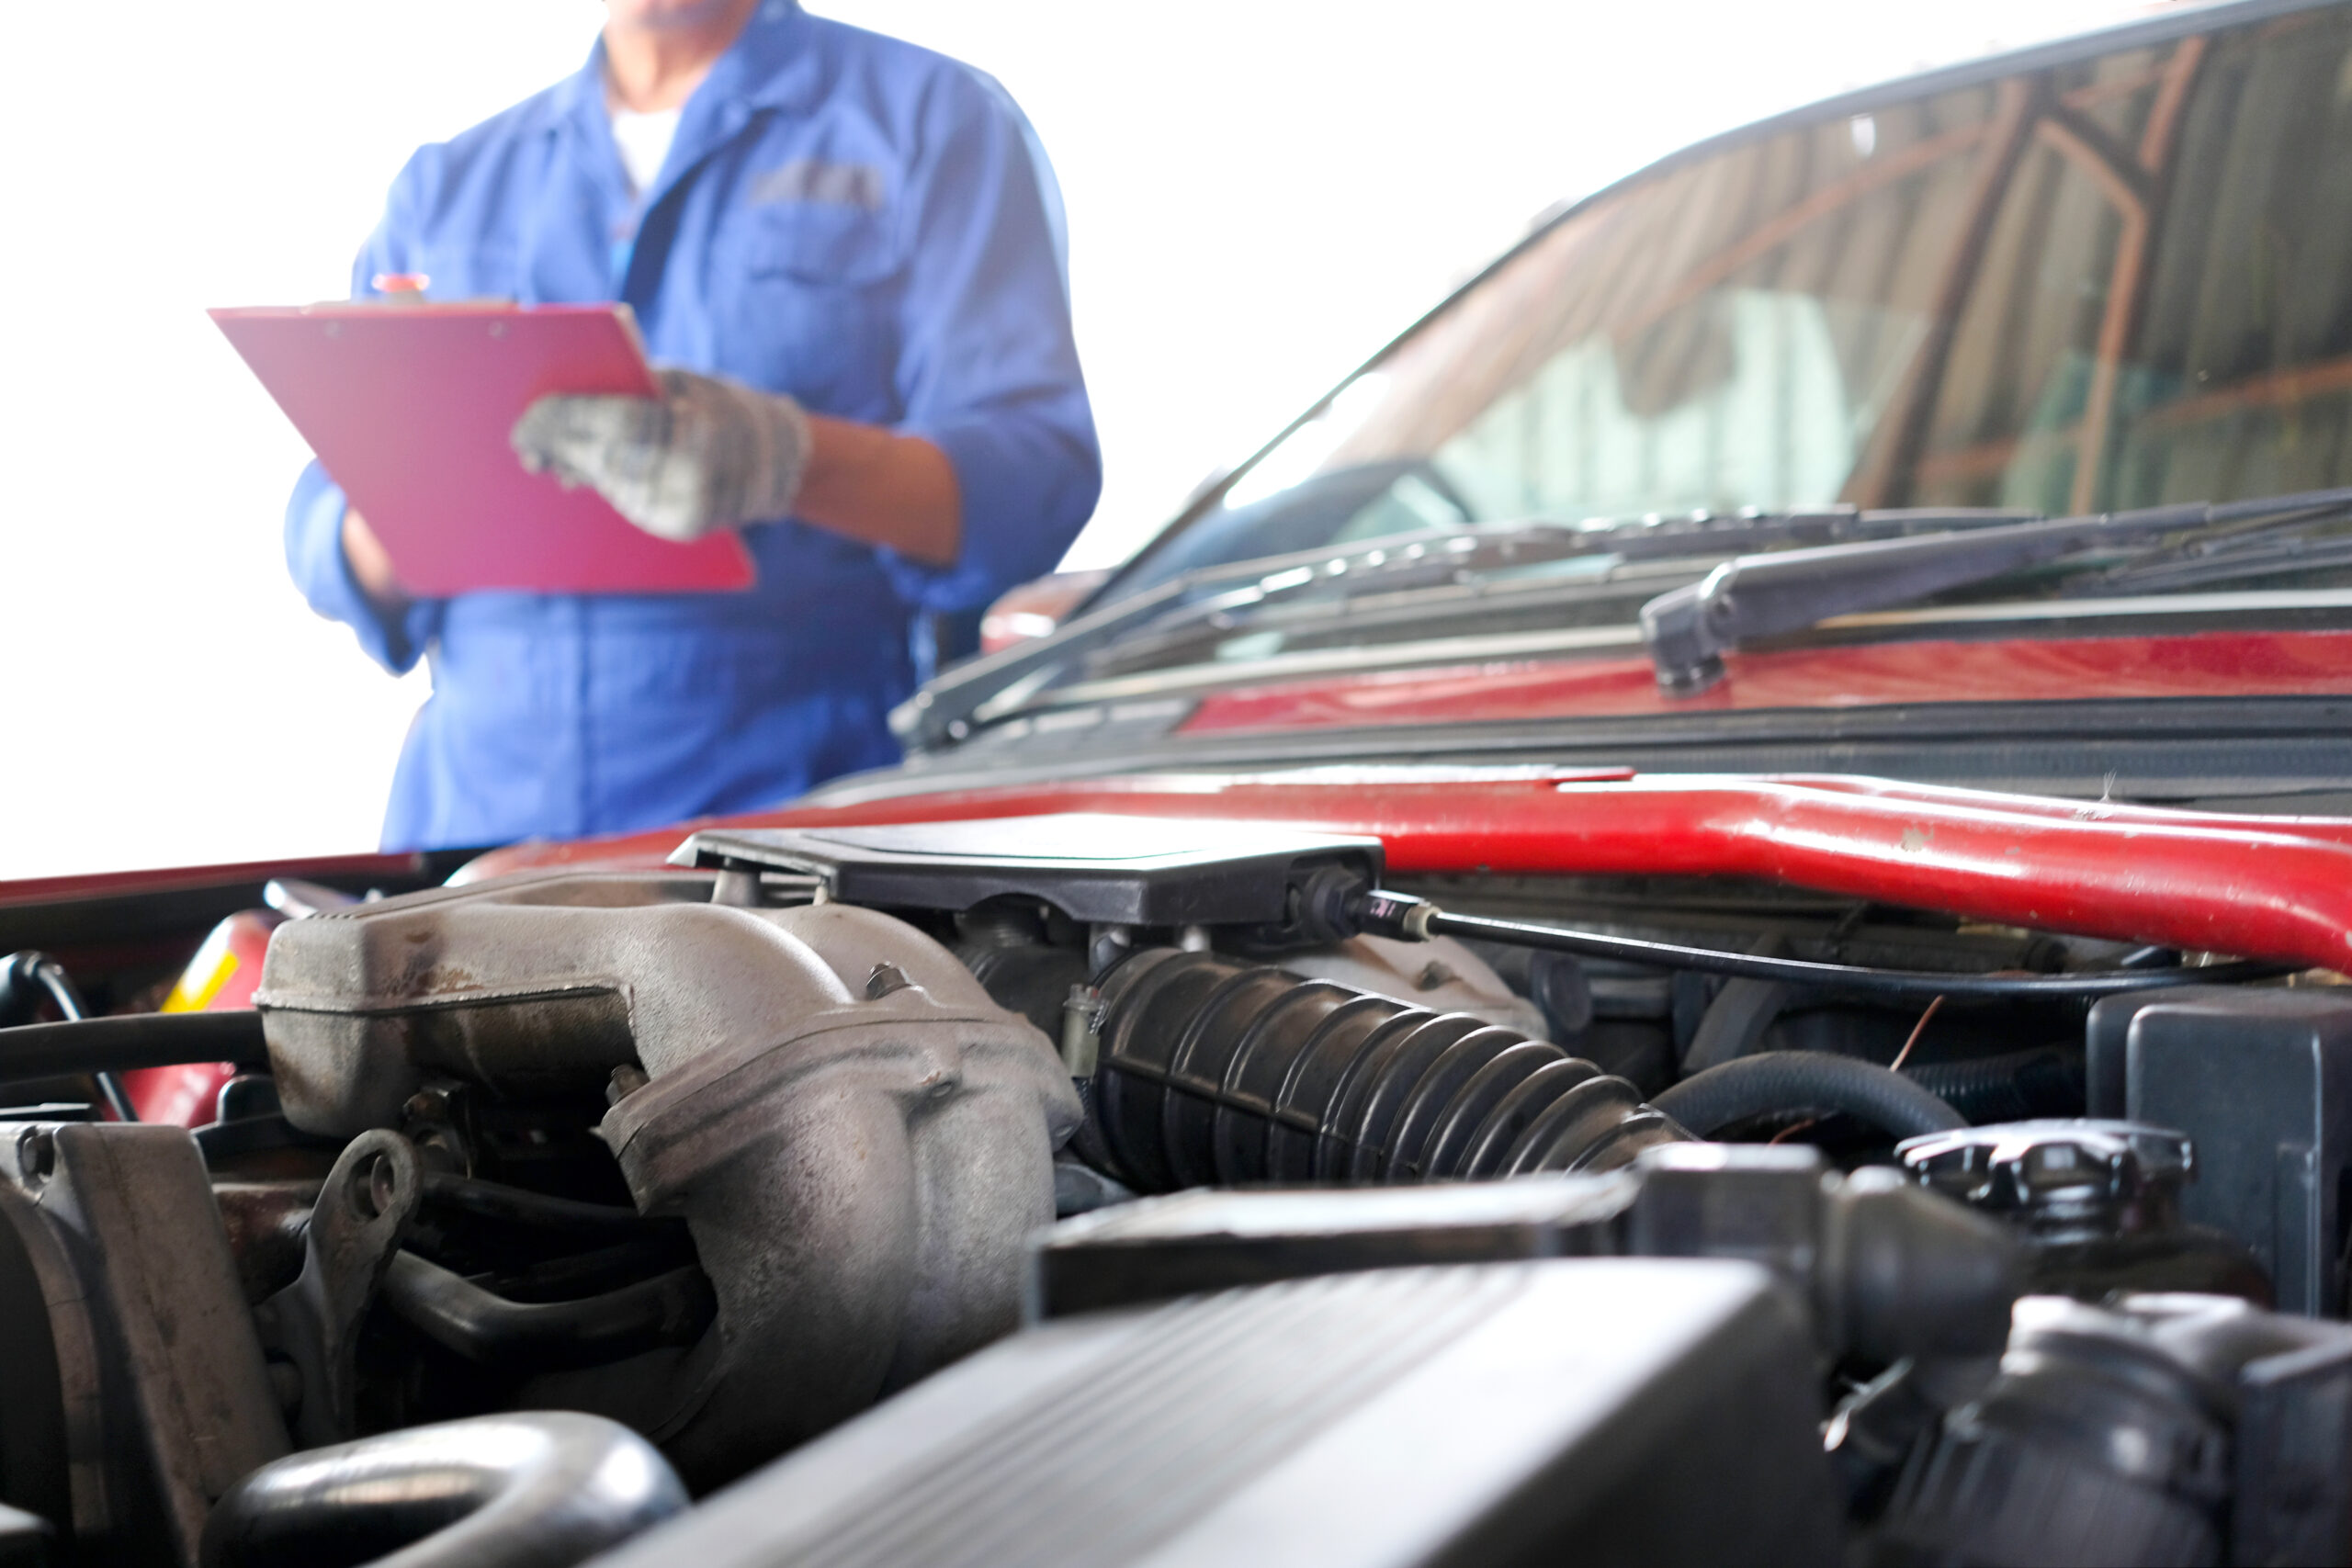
x=738, y=887
x=1082, y=1041
x=886, y=979
x=37, y=1155
x=627, y=1078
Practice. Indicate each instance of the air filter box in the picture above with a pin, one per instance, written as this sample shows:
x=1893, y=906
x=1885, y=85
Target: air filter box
x=1093, y=866
x=1600, y=1411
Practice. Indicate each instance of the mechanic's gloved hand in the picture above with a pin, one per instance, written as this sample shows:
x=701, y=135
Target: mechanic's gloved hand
x=708, y=453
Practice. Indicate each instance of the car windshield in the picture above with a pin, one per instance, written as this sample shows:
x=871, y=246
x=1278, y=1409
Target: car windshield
x=2113, y=283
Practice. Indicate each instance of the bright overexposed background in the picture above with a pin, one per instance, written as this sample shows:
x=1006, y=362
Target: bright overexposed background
x=1260, y=193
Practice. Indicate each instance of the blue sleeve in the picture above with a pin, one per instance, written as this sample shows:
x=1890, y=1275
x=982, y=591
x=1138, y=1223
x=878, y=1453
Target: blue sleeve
x=314, y=517
x=987, y=371
x=314, y=555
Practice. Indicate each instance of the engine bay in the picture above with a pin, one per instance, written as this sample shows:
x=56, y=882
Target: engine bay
x=1093, y=1188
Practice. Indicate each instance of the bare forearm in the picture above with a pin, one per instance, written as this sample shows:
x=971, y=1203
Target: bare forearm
x=371, y=565
x=884, y=488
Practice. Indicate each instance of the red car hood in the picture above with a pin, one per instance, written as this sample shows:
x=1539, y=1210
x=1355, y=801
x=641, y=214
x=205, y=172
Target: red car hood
x=2275, y=887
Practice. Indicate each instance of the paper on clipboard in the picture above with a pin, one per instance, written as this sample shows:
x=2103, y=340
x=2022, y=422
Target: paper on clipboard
x=408, y=405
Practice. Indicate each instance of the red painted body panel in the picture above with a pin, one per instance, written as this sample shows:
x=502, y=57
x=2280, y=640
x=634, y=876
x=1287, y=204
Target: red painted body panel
x=223, y=976
x=2260, y=886
x=177, y=1097
x=173, y=879
x=2207, y=664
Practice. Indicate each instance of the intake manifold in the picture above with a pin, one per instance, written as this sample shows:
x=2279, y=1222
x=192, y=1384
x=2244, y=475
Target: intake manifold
x=858, y=1138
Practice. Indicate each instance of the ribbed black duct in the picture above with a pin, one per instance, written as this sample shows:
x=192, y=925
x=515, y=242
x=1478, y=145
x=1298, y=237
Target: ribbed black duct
x=1212, y=1071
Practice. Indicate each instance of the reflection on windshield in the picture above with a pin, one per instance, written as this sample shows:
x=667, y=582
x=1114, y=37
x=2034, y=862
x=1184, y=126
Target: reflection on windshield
x=1310, y=448
x=1759, y=412
x=2113, y=284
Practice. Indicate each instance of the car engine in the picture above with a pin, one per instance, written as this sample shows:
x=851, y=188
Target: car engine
x=1091, y=1188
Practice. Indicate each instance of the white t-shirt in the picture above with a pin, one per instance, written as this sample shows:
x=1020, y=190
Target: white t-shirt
x=644, y=140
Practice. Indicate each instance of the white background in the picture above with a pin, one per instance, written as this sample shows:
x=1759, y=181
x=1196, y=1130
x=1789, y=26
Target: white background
x=1261, y=193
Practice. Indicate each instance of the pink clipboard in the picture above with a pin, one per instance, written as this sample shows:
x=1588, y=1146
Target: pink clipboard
x=409, y=406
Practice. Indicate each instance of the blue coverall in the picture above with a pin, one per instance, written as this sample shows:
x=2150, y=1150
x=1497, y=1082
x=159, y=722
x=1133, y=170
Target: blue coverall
x=843, y=218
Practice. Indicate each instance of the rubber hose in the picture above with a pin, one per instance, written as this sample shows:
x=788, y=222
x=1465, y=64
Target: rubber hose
x=493, y=1200
x=1734, y=1022
x=23, y=974
x=546, y=1489
x=1805, y=1080
x=2014, y=1086
x=490, y=1330
x=118, y=1042
x=1212, y=1071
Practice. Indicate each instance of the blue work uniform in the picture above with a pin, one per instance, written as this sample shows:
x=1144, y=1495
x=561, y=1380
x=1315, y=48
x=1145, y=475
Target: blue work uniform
x=843, y=218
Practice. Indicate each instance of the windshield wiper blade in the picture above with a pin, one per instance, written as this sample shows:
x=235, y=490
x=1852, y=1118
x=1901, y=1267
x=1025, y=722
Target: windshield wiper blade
x=1689, y=629
x=945, y=709
x=2265, y=554
x=1376, y=600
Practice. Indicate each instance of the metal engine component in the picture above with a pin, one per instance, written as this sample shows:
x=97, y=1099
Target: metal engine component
x=354, y=1233
x=650, y=1148
x=1215, y=1071
x=529, y=985
x=2098, y=1201
x=2170, y=1429
x=1886, y=1269
x=1526, y=1413
x=1092, y=866
x=150, y=1382
x=1441, y=975
x=857, y=1138
x=537, y=1491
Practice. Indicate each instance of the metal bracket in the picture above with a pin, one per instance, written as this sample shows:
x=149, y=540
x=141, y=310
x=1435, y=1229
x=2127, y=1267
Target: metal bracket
x=362, y=1214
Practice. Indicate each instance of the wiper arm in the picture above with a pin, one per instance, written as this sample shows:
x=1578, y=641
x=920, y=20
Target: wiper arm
x=1390, y=600
x=1689, y=629
x=944, y=710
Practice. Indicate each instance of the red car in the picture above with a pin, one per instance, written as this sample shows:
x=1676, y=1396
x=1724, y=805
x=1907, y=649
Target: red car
x=1703, y=919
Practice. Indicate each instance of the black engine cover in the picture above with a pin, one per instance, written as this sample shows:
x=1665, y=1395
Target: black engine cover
x=1604, y=1411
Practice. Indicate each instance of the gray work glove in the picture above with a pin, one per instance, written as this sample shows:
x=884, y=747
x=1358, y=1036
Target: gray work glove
x=707, y=454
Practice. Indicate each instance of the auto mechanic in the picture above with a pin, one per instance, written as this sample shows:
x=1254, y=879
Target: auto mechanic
x=842, y=250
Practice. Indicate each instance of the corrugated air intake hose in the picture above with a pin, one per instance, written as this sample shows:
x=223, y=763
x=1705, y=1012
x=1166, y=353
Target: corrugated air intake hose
x=1211, y=1070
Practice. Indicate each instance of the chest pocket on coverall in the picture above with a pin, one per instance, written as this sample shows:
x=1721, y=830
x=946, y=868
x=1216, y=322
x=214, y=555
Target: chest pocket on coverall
x=802, y=289
x=473, y=269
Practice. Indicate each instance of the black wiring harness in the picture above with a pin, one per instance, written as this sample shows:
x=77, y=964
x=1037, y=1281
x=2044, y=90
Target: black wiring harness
x=1401, y=914
x=28, y=978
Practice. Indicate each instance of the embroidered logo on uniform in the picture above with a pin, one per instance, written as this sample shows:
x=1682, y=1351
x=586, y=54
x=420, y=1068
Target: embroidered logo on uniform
x=814, y=179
